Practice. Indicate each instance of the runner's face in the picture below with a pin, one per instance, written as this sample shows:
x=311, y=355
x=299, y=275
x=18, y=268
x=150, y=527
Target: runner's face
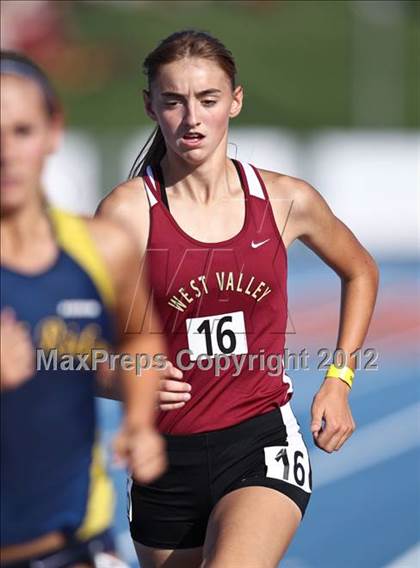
x=192, y=101
x=28, y=135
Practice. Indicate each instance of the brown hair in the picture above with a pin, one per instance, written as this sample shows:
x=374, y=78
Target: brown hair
x=14, y=63
x=186, y=43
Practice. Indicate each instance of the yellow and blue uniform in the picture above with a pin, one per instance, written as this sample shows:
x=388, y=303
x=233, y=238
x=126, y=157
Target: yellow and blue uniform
x=52, y=478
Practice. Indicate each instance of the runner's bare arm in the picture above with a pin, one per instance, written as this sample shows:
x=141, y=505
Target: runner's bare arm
x=302, y=213
x=135, y=314
x=307, y=217
x=127, y=205
x=138, y=442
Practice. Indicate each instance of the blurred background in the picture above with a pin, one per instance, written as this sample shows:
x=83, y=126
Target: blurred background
x=331, y=96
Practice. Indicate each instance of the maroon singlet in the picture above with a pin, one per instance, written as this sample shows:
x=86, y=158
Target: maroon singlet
x=226, y=298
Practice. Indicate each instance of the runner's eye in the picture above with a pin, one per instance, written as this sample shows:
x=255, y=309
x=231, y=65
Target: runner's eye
x=23, y=130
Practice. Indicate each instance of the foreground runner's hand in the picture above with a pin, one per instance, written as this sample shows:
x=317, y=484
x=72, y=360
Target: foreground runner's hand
x=173, y=392
x=332, y=421
x=17, y=359
x=142, y=451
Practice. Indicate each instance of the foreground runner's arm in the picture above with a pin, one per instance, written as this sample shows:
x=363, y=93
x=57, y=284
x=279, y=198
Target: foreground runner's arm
x=138, y=441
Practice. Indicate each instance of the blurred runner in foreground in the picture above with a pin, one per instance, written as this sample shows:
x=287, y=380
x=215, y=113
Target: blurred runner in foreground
x=67, y=290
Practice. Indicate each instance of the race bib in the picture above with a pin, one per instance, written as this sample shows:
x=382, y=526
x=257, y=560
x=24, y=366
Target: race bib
x=222, y=334
x=290, y=463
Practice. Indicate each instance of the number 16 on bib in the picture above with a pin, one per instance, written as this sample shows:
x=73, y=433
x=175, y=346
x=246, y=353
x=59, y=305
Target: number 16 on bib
x=222, y=334
x=290, y=463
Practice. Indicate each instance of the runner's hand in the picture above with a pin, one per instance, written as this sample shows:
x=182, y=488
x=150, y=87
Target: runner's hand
x=332, y=421
x=142, y=450
x=17, y=357
x=173, y=392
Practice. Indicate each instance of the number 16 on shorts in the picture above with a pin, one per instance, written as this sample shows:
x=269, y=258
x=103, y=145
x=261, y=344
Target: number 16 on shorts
x=222, y=334
x=290, y=463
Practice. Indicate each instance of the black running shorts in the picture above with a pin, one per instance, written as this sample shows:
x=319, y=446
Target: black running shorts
x=267, y=450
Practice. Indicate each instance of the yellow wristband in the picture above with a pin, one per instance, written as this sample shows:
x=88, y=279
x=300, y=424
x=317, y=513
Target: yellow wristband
x=345, y=374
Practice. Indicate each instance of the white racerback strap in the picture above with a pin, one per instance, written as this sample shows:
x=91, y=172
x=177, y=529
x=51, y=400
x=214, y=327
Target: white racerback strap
x=152, y=199
x=254, y=184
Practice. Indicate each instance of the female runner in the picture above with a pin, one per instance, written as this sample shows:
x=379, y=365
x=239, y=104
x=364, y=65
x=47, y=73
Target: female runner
x=67, y=290
x=214, y=233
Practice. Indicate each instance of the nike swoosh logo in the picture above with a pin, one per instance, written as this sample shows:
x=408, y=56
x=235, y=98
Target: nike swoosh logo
x=256, y=245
